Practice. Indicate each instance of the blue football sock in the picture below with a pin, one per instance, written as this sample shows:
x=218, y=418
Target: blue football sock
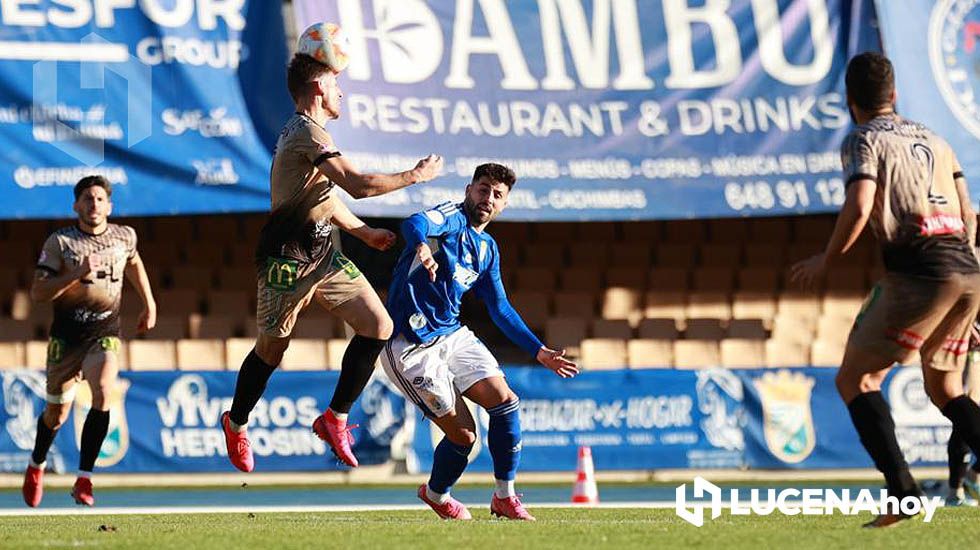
x=504, y=439
x=448, y=464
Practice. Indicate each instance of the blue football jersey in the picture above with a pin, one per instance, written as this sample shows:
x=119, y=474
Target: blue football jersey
x=468, y=259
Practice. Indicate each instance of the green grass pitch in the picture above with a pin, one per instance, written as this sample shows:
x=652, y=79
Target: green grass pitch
x=556, y=528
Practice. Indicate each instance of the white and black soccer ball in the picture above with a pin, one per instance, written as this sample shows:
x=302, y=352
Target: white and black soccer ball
x=326, y=43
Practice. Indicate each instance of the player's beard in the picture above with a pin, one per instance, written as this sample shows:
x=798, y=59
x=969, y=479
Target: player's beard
x=474, y=214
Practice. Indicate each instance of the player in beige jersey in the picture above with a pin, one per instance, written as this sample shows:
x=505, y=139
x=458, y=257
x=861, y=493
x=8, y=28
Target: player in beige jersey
x=905, y=182
x=297, y=263
x=80, y=271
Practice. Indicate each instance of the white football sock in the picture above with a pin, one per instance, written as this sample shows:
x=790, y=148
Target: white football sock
x=505, y=489
x=440, y=498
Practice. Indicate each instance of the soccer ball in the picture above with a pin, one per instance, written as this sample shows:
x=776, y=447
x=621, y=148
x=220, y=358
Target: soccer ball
x=326, y=43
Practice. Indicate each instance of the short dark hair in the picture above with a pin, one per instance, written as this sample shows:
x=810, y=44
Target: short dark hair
x=870, y=81
x=92, y=181
x=495, y=172
x=302, y=70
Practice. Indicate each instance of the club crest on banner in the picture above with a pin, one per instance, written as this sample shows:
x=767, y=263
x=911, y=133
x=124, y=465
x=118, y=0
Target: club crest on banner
x=787, y=417
x=954, y=41
x=116, y=443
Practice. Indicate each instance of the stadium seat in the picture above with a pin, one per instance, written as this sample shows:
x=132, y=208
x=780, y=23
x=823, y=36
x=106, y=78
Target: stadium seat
x=842, y=303
x=642, y=232
x=708, y=304
x=305, y=354
x=188, y=277
x=147, y=355
x=754, y=305
x=658, y=329
x=758, y=279
x=595, y=232
x=22, y=252
x=510, y=233
x=535, y=278
x=617, y=329
x=833, y=327
x=9, y=279
x=785, y=353
x=588, y=255
x=235, y=351
x=317, y=327
x=13, y=330
x=720, y=255
x=604, y=354
x=622, y=303
x=713, y=279
x=242, y=254
x=214, y=326
x=728, y=230
x=574, y=304
x=704, y=329
x=762, y=254
x=168, y=327
x=223, y=229
x=12, y=355
x=159, y=253
x=743, y=354
x=201, y=354
x=769, y=230
x=685, y=231
x=660, y=304
x=533, y=307
x=36, y=354
x=790, y=328
x=587, y=279
x=233, y=303
x=627, y=277
x=746, y=329
x=553, y=232
x=631, y=254
x=668, y=279
x=178, y=301
x=827, y=353
x=645, y=353
x=812, y=228
x=205, y=253
x=335, y=352
x=548, y=255
x=798, y=304
x=510, y=256
x=177, y=229
x=678, y=256
x=20, y=305
x=237, y=278
x=566, y=332
x=696, y=354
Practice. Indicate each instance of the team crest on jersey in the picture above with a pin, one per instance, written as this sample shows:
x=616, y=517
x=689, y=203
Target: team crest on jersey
x=954, y=41
x=116, y=443
x=787, y=418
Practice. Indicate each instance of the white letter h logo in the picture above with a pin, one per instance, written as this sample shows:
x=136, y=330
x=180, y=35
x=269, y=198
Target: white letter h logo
x=695, y=516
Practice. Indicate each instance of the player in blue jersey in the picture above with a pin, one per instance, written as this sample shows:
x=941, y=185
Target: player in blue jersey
x=433, y=358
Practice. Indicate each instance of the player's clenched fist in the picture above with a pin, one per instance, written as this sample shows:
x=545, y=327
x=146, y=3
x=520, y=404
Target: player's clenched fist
x=428, y=168
x=424, y=255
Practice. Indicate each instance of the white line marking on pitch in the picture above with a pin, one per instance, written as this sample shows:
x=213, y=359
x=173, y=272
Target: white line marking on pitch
x=78, y=511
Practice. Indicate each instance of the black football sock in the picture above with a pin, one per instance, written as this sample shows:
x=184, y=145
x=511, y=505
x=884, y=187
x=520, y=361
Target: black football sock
x=252, y=380
x=42, y=441
x=957, y=450
x=93, y=434
x=355, y=371
x=965, y=415
x=876, y=429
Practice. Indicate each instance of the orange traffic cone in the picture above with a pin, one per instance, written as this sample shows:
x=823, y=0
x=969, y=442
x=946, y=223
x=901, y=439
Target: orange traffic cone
x=585, y=491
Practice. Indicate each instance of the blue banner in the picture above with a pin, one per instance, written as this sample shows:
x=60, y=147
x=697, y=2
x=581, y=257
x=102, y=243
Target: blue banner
x=159, y=97
x=170, y=422
x=934, y=46
x=632, y=420
x=606, y=110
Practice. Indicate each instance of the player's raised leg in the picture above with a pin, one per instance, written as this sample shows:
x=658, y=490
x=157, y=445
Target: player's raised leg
x=365, y=313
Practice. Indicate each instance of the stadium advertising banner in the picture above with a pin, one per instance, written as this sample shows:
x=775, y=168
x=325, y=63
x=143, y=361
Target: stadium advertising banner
x=154, y=95
x=607, y=109
x=934, y=46
x=632, y=420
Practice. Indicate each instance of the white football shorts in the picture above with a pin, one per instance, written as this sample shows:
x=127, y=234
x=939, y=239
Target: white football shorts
x=434, y=373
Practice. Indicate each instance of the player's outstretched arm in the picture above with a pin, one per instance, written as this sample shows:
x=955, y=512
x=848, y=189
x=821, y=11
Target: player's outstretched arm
x=377, y=238
x=342, y=172
x=850, y=223
x=136, y=274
